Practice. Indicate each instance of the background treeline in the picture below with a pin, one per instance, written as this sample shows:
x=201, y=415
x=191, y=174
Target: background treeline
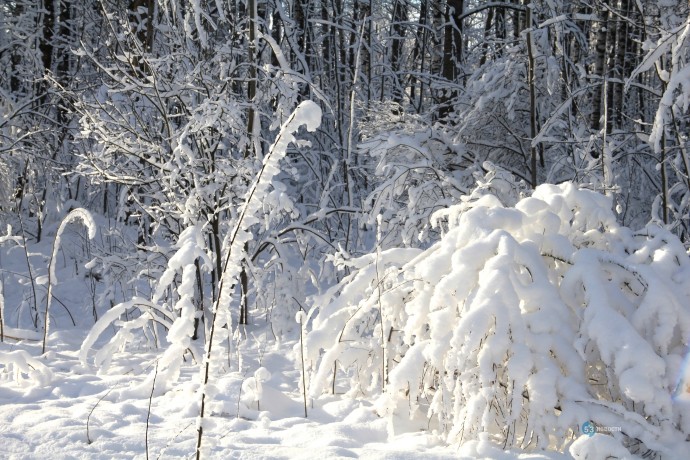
x=156, y=114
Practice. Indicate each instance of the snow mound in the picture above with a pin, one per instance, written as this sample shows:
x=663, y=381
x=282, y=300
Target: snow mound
x=518, y=326
x=22, y=368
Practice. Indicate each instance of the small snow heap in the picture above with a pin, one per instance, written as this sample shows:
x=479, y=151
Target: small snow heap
x=252, y=388
x=516, y=327
x=23, y=369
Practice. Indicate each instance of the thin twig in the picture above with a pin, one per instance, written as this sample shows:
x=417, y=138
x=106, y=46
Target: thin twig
x=88, y=418
x=148, y=414
x=173, y=438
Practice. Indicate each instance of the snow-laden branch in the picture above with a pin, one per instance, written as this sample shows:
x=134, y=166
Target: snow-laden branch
x=87, y=220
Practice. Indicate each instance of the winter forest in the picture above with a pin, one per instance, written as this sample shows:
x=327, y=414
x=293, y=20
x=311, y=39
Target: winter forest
x=344, y=228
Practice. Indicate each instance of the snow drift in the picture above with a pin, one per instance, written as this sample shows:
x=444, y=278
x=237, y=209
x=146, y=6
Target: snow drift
x=517, y=327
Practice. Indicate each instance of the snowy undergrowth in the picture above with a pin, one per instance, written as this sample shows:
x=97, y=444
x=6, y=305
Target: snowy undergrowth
x=81, y=414
x=517, y=327
x=157, y=316
x=563, y=318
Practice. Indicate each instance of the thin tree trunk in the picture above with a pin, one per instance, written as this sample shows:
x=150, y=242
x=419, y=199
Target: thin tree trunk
x=599, y=71
x=252, y=132
x=532, y=99
x=419, y=53
x=487, y=29
x=624, y=61
x=452, y=53
x=397, y=40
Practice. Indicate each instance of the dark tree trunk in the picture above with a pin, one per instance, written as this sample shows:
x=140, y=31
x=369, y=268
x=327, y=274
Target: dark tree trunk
x=397, y=39
x=452, y=53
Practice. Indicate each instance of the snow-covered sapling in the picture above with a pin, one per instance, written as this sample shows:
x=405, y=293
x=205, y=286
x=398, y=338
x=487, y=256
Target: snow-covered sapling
x=308, y=114
x=88, y=221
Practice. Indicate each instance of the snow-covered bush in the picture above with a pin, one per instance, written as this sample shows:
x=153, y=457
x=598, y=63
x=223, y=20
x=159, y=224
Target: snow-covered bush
x=155, y=315
x=518, y=326
x=417, y=172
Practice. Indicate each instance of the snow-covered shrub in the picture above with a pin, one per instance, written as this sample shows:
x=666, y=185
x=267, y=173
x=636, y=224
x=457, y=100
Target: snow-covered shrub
x=518, y=326
x=155, y=315
x=419, y=168
x=417, y=172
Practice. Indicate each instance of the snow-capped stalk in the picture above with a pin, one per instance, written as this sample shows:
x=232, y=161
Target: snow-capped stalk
x=88, y=221
x=606, y=173
x=380, y=305
x=662, y=160
x=31, y=274
x=148, y=413
x=302, y=317
x=2, y=313
x=309, y=114
x=88, y=417
x=335, y=373
x=664, y=180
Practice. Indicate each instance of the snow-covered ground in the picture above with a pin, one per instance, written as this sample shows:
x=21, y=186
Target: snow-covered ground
x=76, y=412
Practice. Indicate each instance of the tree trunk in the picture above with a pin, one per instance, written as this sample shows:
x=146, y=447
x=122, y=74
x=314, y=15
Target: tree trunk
x=47, y=39
x=488, y=23
x=397, y=39
x=419, y=54
x=518, y=19
x=601, y=56
x=452, y=53
x=624, y=62
x=252, y=134
x=532, y=99
x=141, y=14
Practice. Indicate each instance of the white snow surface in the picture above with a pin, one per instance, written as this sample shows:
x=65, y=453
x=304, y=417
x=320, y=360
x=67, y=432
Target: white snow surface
x=61, y=409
